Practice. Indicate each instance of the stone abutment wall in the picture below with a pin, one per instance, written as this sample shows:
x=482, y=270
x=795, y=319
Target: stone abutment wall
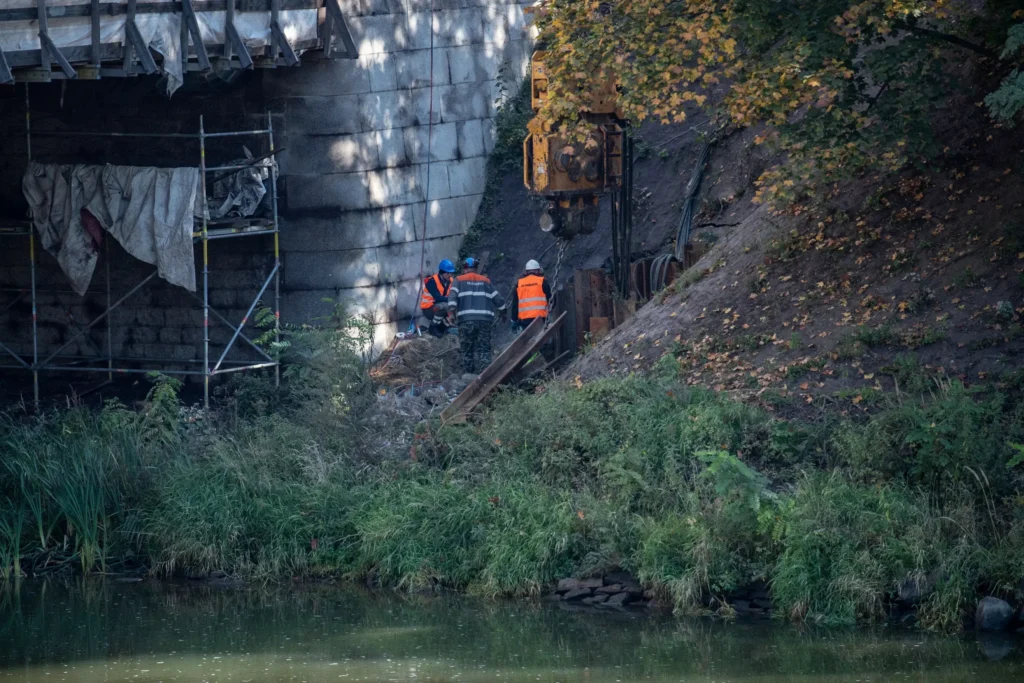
x=359, y=210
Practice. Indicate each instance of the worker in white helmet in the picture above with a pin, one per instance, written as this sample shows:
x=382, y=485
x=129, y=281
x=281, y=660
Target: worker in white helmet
x=532, y=296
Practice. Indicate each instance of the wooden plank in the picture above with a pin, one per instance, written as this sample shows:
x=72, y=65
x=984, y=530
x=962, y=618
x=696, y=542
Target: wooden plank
x=581, y=298
x=531, y=339
x=599, y=328
x=566, y=340
x=540, y=365
x=506, y=356
x=596, y=295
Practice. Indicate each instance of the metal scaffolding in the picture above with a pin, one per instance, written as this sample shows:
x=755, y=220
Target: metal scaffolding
x=105, y=361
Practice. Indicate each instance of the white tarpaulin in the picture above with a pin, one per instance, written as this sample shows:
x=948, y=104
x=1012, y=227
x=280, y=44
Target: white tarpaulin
x=149, y=211
x=160, y=30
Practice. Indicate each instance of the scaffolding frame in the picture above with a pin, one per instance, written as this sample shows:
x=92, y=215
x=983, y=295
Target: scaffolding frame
x=207, y=230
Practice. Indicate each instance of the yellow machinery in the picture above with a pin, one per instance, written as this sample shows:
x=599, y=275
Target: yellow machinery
x=572, y=176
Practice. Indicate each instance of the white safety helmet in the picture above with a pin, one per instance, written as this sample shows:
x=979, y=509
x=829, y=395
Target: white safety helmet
x=532, y=265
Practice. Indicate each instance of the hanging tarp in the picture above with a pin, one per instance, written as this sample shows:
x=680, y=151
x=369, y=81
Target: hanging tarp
x=149, y=211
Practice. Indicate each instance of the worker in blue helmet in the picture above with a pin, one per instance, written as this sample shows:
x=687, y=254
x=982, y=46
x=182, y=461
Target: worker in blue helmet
x=434, y=299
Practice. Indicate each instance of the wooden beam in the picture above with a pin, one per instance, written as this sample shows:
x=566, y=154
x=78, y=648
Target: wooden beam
x=337, y=27
x=275, y=11
x=134, y=39
x=189, y=16
x=33, y=58
x=44, y=52
x=233, y=41
x=95, y=32
x=53, y=52
x=278, y=41
x=236, y=40
x=521, y=348
x=290, y=58
x=581, y=299
x=229, y=20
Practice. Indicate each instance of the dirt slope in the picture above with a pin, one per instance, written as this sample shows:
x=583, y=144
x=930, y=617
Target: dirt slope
x=888, y=277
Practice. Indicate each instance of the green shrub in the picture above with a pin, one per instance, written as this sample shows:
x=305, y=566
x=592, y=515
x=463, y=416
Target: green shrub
x=532, y=537
x=77, y=476
x=845, y=547
x=417, y=533
x=933, y=441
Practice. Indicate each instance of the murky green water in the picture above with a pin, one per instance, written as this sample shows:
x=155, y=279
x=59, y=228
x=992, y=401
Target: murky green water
x=104, y=631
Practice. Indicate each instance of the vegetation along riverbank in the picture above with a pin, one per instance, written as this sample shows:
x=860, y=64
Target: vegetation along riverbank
x=695, y=494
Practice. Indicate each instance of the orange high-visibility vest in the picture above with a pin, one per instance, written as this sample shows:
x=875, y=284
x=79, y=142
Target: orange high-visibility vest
x=532, y=302
x=427, y=301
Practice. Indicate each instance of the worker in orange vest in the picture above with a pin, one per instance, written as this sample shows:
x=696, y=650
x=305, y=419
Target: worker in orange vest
x=532, y=297
x=434, y=300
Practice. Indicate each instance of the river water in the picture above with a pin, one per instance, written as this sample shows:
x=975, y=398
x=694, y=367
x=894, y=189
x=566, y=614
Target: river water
x=91, y=631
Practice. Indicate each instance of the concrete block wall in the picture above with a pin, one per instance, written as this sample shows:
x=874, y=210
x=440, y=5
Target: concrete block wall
x=365, y=198
x=159, y=322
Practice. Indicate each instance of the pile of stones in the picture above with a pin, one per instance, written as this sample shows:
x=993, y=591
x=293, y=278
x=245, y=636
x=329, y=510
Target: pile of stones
x=614, y=590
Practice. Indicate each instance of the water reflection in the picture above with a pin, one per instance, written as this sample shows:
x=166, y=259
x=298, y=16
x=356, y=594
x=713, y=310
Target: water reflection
x=105, y=631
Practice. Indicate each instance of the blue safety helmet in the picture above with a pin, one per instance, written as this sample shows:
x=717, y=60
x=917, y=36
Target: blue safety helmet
x=471, y=262
x=446, y=266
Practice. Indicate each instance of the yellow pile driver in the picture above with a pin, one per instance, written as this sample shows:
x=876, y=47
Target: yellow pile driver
x=572, y=176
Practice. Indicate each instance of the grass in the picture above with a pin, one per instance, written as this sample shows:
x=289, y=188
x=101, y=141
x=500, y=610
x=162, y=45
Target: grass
x=695, y=493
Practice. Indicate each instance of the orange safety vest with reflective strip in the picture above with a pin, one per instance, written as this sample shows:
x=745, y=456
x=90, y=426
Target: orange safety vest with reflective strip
x=428, y=299
x=532, y=302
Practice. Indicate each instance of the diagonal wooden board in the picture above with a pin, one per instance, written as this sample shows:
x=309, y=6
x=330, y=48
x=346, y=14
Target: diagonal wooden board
x=528, y=341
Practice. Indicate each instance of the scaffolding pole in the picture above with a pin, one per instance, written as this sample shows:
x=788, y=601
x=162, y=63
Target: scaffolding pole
x=111, y=366
x=110, y=320
x=206, y=268
x=277, y=248
x=32, y=263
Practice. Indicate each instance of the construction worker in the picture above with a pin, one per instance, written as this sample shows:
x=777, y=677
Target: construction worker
x=434, y=300
x=475, y=304
x=532, y=296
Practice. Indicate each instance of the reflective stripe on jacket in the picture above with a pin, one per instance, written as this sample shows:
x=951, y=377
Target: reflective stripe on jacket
x=532, y=301
x=428, y=300
x=474, y=298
